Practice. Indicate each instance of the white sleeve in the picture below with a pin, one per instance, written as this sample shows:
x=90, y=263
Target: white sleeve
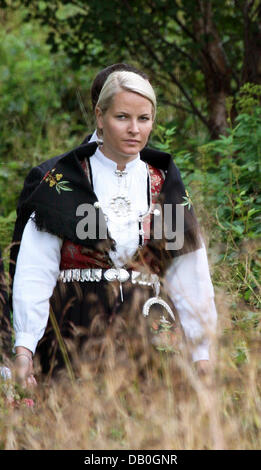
x=189, y=285
x=37, y=270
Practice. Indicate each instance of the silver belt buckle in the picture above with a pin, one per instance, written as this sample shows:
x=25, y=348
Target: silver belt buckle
x=120, y=275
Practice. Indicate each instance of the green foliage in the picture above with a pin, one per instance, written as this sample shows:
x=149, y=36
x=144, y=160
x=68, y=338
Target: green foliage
x=6, y=229
x=165, y=37
x=249, y=97
x=235, y=191
x=38, y=93
x=12, y=175
x=233, y=186
x=240, y=354
x=42, y=112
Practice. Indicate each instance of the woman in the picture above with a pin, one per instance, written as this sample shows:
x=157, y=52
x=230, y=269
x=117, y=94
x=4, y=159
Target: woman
x=112, y=256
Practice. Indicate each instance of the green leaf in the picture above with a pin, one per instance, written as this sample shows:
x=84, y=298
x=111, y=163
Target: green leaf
x=42, y=6
x=68, y=11
x=252, y=212
x=238, y=229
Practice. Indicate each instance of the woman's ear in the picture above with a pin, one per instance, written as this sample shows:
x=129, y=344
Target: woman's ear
x=99, y=118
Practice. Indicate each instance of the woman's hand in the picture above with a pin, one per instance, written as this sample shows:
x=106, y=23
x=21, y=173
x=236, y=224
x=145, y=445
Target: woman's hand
x=203, y=368
x=24, y=367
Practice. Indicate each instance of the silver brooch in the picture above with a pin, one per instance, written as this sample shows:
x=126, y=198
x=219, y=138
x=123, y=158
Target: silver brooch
x=120, y=203
x=119, y=274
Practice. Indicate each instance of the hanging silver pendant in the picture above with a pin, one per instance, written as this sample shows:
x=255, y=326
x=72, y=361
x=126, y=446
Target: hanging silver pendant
x=156, y=300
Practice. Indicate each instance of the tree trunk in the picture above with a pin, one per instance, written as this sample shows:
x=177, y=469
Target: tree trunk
x=252, y=44
x=215, y=68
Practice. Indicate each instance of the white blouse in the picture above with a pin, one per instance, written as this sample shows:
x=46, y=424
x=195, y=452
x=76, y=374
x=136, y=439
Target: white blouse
x=187, y=280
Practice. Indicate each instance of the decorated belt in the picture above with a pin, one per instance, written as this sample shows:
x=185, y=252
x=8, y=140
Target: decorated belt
x=113, y=274
x=121, y=275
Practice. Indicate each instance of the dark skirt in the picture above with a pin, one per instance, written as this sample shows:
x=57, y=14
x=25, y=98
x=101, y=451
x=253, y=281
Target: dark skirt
x=90, y=324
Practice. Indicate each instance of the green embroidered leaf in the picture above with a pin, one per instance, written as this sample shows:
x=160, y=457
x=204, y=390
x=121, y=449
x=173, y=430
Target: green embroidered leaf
x=187, y=202
x=63, y=186
x=67, y=189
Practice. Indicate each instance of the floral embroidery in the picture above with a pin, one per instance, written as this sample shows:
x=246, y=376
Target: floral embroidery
x=156, y=181
x=187, y=200
x=54, y=180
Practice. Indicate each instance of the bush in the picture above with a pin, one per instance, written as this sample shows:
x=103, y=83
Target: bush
x=41, y=108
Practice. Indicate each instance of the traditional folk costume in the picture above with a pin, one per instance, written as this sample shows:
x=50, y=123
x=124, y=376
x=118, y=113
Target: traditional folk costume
x=105, y=272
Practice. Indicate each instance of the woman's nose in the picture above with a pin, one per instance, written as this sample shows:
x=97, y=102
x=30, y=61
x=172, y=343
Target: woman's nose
x=133, y=127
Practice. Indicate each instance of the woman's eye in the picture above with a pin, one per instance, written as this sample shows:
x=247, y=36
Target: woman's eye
x=144, y=118
x=121, y=116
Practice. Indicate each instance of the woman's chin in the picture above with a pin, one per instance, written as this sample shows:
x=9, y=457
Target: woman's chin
x=123, y=152
x=130, y=151
x=130, y=154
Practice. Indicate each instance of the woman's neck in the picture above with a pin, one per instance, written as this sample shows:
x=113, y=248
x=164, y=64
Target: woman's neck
x=121, y=161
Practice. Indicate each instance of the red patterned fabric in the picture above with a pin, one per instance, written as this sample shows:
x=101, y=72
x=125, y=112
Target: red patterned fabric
x=156, y=182
x=76, y=256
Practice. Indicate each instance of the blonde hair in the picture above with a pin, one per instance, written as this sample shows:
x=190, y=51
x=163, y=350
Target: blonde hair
x=129, y=81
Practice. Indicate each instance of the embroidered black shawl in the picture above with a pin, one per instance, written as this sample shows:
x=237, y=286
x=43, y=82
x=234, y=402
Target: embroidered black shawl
x=65, y=187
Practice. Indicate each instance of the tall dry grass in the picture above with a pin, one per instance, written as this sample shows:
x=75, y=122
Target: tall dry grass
x=163, y=405
x=146, y=399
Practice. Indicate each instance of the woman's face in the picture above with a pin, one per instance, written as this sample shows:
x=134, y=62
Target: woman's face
x=126, y=125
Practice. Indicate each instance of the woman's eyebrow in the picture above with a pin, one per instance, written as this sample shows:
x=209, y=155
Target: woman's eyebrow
x=126, y=113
